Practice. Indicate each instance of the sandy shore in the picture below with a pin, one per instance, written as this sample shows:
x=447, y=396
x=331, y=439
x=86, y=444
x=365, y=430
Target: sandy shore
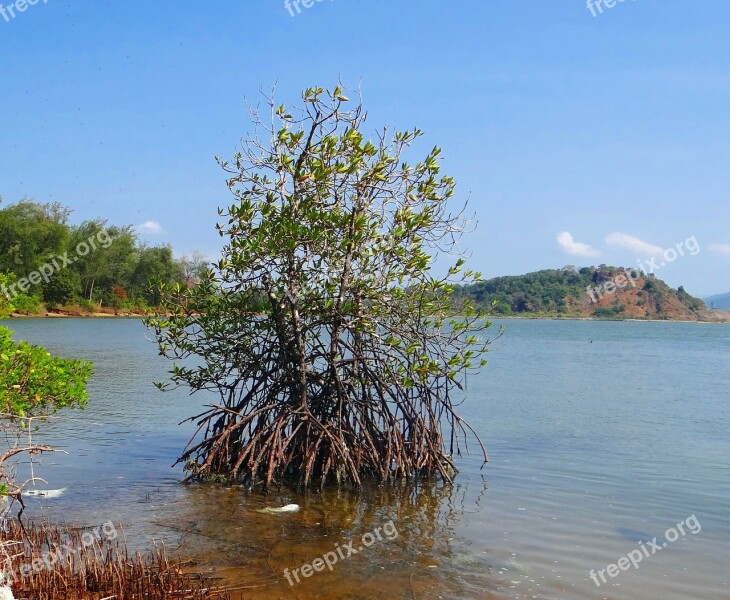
x=95, y=315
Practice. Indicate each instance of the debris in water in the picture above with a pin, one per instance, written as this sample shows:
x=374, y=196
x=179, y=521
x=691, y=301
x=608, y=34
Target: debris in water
x=44, y=494
x=5, y=592
x=277, y=511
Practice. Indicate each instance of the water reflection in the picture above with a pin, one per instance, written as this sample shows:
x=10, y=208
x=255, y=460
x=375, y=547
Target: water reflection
x=222, y=530
x=580, y=467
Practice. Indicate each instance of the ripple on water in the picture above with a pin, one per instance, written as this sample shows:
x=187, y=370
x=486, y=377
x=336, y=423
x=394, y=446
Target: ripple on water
x=593, y=447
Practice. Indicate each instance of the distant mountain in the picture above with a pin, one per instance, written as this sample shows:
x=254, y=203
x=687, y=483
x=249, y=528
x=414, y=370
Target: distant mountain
x=721, y=301
x=599, y=292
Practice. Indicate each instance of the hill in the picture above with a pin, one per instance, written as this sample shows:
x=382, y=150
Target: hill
x=592, y=292
x=720, y=302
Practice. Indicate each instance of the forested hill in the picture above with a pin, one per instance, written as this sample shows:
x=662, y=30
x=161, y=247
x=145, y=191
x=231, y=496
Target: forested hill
x=48, y=263
x=598, y=292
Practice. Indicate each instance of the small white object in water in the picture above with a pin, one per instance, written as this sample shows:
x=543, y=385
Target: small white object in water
x=5, y=592
x=276, y=511
x=44, y=494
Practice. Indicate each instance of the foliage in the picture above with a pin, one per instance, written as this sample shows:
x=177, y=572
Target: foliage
x=29, y=234
x=33, y=382
x=34, y=235
x=560, y=291
x=655, y=287
x=136, y=305
x=690, y=301
x=193, y=268
x=62, y=287
x=21, y=303
x=154, y=265
x=609, y=312
x=540, y=292
x=27, y=305
x=88, y=305
x=119, y=292
x=322, y=329
x=104, y=268
x=5, y=306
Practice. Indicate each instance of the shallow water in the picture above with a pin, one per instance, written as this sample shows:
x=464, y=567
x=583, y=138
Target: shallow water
x=594, y=447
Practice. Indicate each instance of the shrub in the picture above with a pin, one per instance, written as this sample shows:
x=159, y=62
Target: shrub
x=61, y=287
x=88, y=305
x=27, y=305
x=609, y=313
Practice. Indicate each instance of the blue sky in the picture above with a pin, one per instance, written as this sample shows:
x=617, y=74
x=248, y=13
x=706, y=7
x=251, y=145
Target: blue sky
x=577, y=139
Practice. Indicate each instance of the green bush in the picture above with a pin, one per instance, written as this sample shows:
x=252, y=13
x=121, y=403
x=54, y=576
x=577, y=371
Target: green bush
x=88, y=305
x=694, y=304
x=27, y=305
x=609, y=313
x=33, y=382
x=501, y=308
x=136, y=305
x=60, y=289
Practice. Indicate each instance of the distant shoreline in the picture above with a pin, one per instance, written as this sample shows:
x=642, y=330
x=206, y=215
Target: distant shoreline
x=542, y=318
x=725, y=318
x=63, y=315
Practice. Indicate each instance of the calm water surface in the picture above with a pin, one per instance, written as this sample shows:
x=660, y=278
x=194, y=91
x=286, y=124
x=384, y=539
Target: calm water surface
x=594, y=447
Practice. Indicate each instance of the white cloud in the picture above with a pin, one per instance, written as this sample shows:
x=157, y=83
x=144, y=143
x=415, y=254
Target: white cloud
x=720, y=249
x=629, y=242
x=151, y=227
x=567, y=243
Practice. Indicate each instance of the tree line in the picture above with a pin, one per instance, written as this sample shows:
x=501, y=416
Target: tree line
x=47, y=260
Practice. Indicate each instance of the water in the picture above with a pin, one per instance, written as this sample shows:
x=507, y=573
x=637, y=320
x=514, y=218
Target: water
x=594, y=447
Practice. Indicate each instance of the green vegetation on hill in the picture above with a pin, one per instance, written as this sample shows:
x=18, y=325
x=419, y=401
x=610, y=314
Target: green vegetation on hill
x=694, y=304
x=47, y=261
x=567, y=292
x=539, y=292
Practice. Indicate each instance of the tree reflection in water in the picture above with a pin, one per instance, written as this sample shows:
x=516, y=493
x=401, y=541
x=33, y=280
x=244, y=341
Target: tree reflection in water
x=221, y=530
